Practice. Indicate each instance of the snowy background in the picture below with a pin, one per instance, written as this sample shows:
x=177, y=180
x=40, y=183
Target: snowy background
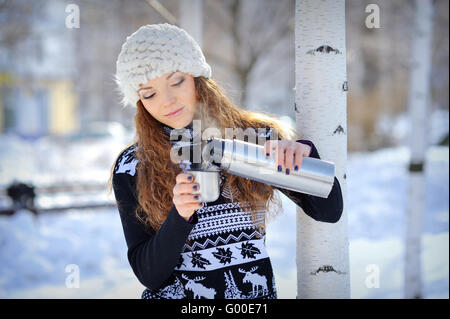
x=45, y=92
x=36, y=252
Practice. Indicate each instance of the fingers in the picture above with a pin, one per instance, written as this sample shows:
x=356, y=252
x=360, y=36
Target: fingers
x=303, y=150
x=184, y=195
x=289, y=159
x=188, y=200
x=275, y=148
x=184, y=178
x=298, y=159
x=267, y=145
x=288, y=154
x=279, y=156
x=185, y=188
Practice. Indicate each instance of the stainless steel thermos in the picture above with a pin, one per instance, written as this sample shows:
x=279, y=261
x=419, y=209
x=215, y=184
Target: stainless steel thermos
x=315, y=177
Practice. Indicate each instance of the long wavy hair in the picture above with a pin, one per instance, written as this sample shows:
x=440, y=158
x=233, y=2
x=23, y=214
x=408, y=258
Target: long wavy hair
x=156, y=177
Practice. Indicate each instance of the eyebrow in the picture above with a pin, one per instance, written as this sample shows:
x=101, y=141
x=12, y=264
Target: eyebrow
x=143, y=88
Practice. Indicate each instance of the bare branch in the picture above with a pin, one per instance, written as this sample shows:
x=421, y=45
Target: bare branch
x=169, y=17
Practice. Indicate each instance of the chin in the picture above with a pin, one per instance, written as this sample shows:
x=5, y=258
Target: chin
x=180, y=124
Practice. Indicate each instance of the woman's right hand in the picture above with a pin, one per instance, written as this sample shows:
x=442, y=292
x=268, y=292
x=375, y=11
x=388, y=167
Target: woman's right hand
x=183, y=195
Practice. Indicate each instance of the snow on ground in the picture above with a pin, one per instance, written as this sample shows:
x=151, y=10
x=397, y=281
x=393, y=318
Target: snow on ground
x=38, y=254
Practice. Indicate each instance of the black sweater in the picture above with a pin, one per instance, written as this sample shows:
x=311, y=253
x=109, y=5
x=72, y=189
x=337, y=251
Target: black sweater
x=158, y=259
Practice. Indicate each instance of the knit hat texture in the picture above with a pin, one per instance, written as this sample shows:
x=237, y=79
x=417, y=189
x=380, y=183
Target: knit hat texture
x=152, y=51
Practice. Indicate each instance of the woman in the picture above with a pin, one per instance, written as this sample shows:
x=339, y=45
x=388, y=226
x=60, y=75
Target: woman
x=178, y=246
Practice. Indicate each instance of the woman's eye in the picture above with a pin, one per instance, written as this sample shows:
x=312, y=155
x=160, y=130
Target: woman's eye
x=148, y=97
x=181, y=81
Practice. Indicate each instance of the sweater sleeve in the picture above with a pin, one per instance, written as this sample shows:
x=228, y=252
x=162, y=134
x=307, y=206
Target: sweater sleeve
x=321, y=209
x=152, y=255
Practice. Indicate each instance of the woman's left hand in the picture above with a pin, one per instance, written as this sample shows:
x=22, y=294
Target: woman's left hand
x=288, y=154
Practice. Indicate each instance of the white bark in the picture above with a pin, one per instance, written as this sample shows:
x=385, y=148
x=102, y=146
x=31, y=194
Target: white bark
x=414, y=220
x=418, y=110
x=191, y=18
x=322, y=118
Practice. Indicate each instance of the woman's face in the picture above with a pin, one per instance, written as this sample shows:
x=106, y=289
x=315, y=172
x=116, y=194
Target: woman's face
x=170, y=98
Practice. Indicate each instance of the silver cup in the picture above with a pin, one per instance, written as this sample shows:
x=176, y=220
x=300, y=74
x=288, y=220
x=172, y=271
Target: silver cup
x=209, y=184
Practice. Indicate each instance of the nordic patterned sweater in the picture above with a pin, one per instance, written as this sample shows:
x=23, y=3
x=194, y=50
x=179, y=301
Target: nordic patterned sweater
x=219, y=254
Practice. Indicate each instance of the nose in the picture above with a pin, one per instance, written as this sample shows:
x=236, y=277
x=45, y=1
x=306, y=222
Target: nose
x=169, y=99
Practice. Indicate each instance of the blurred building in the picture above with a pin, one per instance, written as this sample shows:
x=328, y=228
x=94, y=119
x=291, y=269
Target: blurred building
x=45, y=107
x=36, y=64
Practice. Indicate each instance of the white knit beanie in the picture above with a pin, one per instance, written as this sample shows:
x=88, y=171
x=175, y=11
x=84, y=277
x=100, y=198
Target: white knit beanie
x=152, y=51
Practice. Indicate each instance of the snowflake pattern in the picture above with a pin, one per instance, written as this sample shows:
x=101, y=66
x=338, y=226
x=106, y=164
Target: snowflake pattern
x=126, y=163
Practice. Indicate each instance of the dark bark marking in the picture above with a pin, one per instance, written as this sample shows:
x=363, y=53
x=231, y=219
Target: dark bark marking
x=324, y=49
x=327, y=268
x=339, y=130
x=345, y=86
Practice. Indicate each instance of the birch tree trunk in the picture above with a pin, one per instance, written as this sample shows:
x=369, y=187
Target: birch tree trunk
x=321, y=101
x=418, y=111
x=191, y=18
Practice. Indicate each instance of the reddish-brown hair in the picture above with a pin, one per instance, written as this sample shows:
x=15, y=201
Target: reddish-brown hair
x=155, y=176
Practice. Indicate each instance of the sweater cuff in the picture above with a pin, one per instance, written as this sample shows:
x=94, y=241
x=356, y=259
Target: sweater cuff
x=175, y=219
x=313, y=152
x=193, y=219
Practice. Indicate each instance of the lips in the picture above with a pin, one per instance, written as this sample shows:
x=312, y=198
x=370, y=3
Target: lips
x=174, y=112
